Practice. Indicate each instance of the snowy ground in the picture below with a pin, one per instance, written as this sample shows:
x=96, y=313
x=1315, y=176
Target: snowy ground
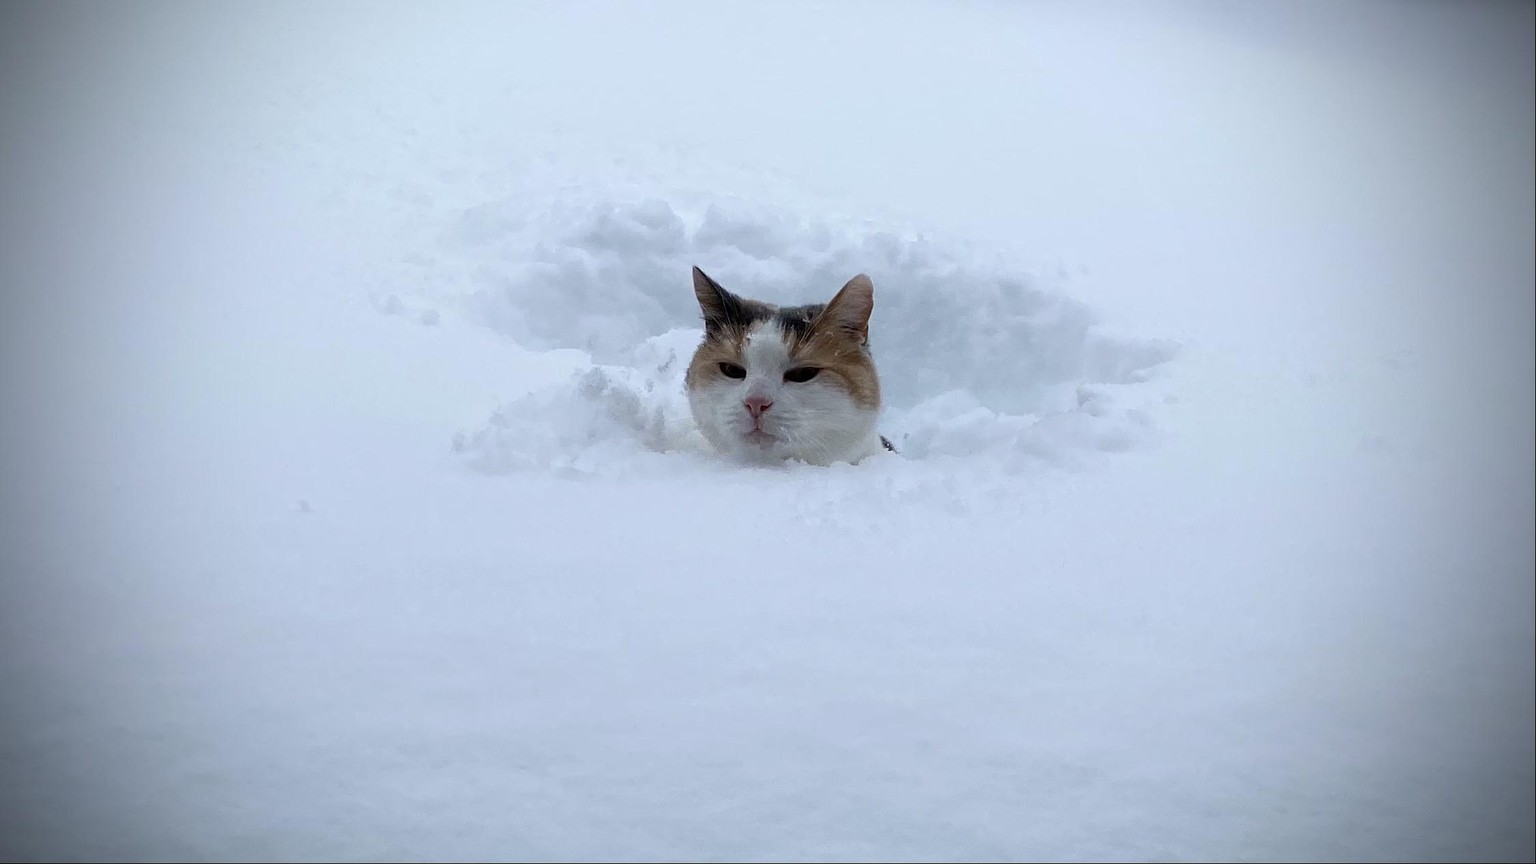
x=351, y=509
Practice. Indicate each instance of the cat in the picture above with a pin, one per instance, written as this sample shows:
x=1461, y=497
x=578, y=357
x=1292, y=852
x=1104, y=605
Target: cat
x=771, y=383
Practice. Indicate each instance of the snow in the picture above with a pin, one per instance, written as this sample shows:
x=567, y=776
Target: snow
x=352, y=508
x=1025, y=372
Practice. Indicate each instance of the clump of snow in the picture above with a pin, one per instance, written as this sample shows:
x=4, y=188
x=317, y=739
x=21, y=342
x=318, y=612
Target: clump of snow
x=978, y=359
x=604, y=415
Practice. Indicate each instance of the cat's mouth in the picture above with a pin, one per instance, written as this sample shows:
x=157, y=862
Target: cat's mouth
x=759, y=438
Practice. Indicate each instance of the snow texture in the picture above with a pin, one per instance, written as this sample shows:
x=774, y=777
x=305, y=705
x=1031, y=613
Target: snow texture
x=1025, y=375
x=350, y=506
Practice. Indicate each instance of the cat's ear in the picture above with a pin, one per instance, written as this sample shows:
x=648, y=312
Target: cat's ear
x=721, y=308
x=849, y=311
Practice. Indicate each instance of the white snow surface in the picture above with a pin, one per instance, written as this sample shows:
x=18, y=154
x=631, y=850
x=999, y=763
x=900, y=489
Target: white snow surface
x=352, y=509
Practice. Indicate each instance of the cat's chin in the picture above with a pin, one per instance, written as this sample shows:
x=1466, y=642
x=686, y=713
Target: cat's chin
x=757, y=439
x=762, y=448
x=756, y=445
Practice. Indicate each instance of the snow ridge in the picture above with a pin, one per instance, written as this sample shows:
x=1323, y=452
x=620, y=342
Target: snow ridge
x=978, y=360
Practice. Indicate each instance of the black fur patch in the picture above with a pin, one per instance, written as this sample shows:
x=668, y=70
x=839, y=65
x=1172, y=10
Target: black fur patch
x=796, y=320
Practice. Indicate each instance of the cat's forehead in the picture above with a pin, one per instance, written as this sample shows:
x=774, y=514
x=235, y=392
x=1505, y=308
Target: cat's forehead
x=795, y=321
x=788, y=325
x=767, y=344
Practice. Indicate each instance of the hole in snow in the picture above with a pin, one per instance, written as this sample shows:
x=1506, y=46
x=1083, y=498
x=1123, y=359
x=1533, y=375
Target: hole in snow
x=974, y=359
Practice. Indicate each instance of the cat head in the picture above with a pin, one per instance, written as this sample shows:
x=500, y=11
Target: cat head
x=792, y=382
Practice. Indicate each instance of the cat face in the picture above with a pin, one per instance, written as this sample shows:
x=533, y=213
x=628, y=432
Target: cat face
x=794, y=382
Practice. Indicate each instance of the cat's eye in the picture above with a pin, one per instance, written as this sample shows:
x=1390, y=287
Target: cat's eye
x=801, y=374
x=731, y=370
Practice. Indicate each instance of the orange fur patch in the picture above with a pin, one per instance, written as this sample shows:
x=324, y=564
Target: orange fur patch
x=825, y=345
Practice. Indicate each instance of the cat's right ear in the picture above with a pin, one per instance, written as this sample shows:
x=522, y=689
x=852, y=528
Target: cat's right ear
x=721, y=308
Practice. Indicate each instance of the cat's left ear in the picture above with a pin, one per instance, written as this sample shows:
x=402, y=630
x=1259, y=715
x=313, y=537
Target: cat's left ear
x=849, y=311
x=721, y=308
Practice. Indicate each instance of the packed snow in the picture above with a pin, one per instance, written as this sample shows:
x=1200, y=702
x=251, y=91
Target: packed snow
x=353, y=508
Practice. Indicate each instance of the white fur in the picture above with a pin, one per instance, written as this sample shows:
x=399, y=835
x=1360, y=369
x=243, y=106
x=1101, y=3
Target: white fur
x=815, y=421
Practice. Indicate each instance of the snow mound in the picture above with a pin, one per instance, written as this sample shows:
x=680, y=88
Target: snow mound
x=977, y=358
x=606, y=414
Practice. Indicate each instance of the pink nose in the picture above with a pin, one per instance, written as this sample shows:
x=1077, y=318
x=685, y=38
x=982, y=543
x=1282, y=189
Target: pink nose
x=757, y=405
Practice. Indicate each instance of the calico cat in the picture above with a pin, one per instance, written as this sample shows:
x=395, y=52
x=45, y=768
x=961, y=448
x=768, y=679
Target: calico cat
x=772, y=383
